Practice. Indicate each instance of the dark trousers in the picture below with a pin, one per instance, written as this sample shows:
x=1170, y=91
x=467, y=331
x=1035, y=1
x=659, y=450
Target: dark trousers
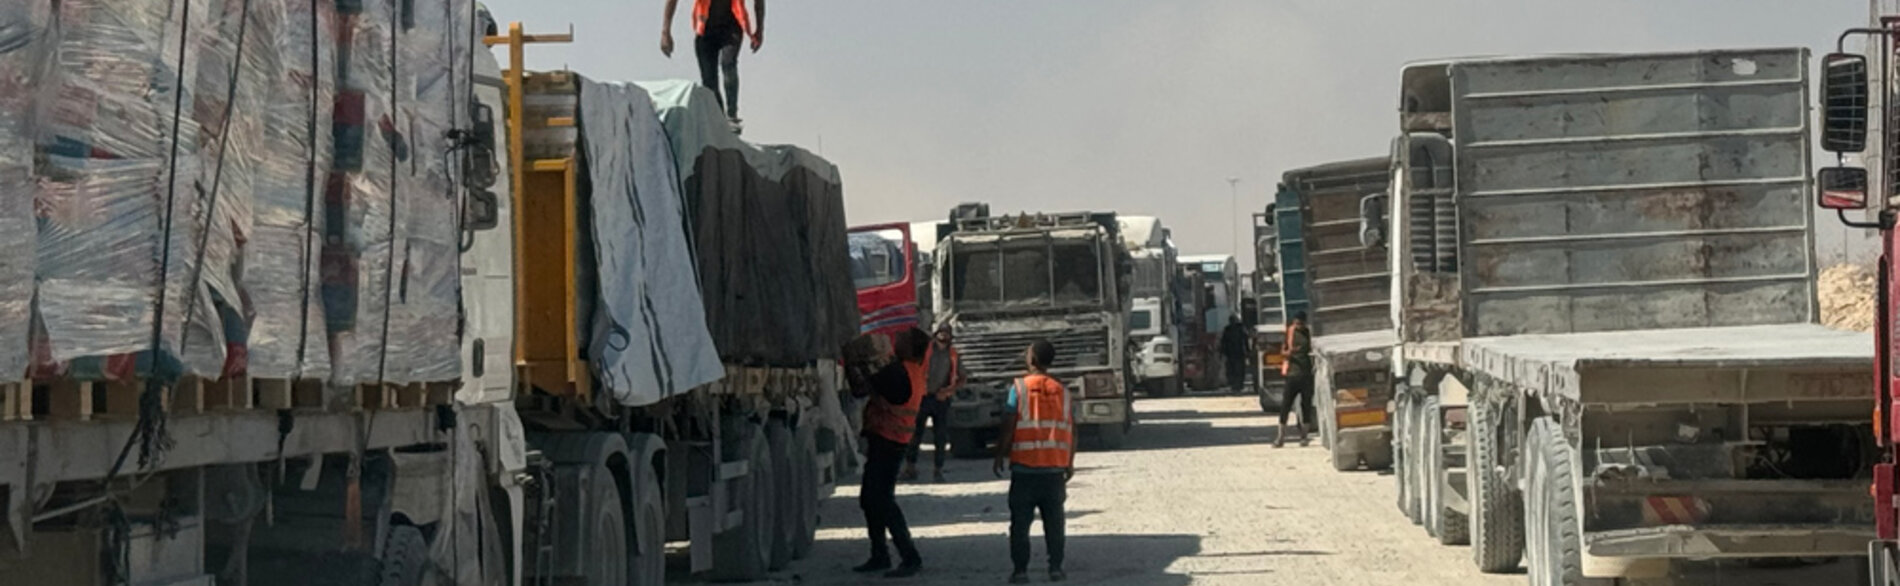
x=1236, y=371
x=718, y=52
x=1029, y=493
x=937, y=413
x=1299, y=391
x=878, y=497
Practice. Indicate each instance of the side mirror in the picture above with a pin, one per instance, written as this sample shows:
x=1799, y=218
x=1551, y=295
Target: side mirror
x=1372, y=220
x=480, y=210
x=1842, y=188
x=1844, y=103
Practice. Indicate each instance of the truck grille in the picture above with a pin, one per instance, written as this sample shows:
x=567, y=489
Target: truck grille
x=1001, y=354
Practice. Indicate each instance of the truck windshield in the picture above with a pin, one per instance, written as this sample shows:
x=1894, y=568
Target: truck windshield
x=877, y=258
x=1151, y=276
x=1140, y=319
x=1027, y=272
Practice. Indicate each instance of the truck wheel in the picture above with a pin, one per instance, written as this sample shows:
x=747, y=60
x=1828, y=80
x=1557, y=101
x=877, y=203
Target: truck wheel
x=1400, y=460
x=805, y=452
x=1497, y=527
x=405, y=557
x=967, y=443
x=1555, y=546
x=1110, y=436
x=1450, y=525
x=608, y=555
x=649, y=531
x=785, y=493
x=744, y=553
x=1414, y=470
x=1170, y=387
x=1427, y=475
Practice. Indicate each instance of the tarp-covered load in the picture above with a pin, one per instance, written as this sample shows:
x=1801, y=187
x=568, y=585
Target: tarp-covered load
x=769, y=232
x=247, y=184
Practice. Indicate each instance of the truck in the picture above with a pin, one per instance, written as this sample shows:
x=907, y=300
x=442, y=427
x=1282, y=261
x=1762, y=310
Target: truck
x=1154, y=324
x=1610, y=360
x=1348, y=294
x=1269, y=334
x=891, y=276
x=438, y=336
x=1215, y=278
x=1005, y=281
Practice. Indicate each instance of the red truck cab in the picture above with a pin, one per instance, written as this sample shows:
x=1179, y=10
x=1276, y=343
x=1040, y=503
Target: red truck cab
x=884, y=269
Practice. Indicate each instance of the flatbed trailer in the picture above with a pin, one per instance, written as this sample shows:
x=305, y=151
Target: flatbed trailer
x=1609, y=353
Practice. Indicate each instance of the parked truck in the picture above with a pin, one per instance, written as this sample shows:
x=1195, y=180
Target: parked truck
x=1154, y=324
x=1269, y=334
x=1215, y=278
x=514, y=365
x=1006, y=281
x=1348, y=293
x=1610, y=358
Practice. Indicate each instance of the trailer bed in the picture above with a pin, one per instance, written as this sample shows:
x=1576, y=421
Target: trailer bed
x=1356, y=350
x=1556, y=362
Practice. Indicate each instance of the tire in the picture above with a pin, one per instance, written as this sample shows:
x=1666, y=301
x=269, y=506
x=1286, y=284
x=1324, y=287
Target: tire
x=1426, y=478
x=1451, y=526
x=1414, y=468
x=785, y=493
x=744, y=553
x=1110, y=436
x=805, y=450
x=967, y=444
x=608, y=557
x=405, y=557
x=1556, y=544
x=1171, y=386
x=1497, y=523
x=1400, y=460
x=649, y=530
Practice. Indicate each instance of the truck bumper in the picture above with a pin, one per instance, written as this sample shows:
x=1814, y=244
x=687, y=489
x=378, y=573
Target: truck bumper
x=975, y=414
x=1092, y=411
x=1730, y=541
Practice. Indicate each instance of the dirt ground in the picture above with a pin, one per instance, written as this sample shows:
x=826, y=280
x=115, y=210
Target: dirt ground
x=1199, y=496
x=1847, y=297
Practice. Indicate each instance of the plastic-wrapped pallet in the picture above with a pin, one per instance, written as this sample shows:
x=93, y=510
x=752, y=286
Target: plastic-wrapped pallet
x=360, y=207
x=287, y=337
x=23, y=43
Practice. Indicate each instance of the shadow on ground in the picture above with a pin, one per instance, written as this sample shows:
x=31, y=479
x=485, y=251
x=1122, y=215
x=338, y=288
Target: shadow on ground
x=984, y=559
x=1177, y=435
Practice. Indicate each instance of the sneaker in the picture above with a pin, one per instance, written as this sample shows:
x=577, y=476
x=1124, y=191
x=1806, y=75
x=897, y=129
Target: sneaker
x=1019, y=578
x=875, y=565
x=1279, y=438
x=1057, y=575
x=905, y=570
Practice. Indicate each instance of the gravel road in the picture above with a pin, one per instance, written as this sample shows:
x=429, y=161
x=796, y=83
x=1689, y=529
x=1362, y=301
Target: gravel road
x=1199, y=496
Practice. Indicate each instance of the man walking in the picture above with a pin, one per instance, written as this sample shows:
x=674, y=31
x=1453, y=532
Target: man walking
x=890, y=416
x=719, y=26
x=1235, y=346
x=945, y=377
x=1298, y=369
x=1038, y=445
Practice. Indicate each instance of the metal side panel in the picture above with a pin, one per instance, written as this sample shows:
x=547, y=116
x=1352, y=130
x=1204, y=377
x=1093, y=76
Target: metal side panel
x=1791, y=362
x=1631, y=192
x=1348, y=285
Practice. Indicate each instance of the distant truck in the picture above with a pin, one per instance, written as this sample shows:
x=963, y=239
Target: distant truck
x=1348, y=292
x=1269, y=333
x=1006, y=281
x=1215, y=279
x=1154, y=320
x=1610, y=356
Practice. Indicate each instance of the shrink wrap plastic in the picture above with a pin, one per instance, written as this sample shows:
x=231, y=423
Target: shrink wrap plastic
x=285, y=182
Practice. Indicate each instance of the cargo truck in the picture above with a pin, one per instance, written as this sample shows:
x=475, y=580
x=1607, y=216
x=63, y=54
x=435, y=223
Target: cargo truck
x=1348, y=293
x=529, y=356
x=1216, y=280
x=1006, y=281
x=1154, y=318
x=1610, y=358
x=1269, y=334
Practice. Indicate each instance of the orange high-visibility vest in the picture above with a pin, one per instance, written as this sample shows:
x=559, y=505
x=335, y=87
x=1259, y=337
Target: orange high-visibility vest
x=897, y=422
x=702, y=10
x=1045, y=432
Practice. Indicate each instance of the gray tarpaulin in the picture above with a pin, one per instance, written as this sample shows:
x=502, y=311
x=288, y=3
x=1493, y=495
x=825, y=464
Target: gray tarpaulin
x=649, y=338
x=768, y=227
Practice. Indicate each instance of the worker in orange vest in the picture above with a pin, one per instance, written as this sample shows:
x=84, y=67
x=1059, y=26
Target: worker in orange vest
x=1298, y=370
x=719, y=26
x=1038, y=445
x=890, y=417
x=946, y=376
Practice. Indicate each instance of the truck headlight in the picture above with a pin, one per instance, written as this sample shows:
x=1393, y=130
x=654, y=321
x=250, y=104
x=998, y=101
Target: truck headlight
x=1100, y=384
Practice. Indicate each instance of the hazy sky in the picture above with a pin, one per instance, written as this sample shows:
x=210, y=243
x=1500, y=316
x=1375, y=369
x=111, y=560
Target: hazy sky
x=1141, y=107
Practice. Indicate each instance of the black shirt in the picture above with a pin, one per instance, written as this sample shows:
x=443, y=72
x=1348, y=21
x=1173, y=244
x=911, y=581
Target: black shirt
x=1300, y=352
x=892, y=383
x=1233, y=340
x=719, y=17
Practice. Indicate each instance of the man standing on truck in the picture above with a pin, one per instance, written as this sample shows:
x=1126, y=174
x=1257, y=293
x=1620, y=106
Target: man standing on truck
x=1298, y=369
x=1235, y=346
x=1039, y=448
x=718, y=28
x=890, y=417
x=946, y=375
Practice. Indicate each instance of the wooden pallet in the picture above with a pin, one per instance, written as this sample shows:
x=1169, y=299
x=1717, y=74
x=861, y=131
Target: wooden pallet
x=395, y=397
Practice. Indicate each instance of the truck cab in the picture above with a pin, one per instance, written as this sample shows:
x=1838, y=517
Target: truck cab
x=1005, y=282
